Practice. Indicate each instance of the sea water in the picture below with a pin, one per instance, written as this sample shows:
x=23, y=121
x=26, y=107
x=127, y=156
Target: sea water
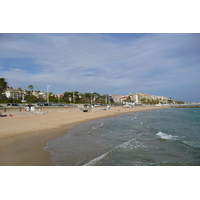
x=163, y=137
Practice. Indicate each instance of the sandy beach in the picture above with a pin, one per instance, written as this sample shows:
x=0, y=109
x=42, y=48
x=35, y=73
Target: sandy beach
x=23, y=136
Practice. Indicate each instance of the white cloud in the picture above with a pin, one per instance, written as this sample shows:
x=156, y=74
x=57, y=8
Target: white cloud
x=102, y=63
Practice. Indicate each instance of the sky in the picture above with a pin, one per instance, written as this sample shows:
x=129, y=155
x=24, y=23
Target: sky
x=165, y=64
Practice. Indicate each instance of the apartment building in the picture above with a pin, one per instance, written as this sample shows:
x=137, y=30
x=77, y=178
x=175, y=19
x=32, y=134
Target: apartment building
x=13, y=93
x=117, y=98
x=40, y=94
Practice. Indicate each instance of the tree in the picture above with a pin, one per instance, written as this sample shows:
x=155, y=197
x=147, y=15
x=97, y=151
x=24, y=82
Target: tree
x=31, y=99
x=3, y=85
x=179, y=102
x=170, y=101
x=3, y=98
x=71, y=97
x=67, y=97
x=30, y=87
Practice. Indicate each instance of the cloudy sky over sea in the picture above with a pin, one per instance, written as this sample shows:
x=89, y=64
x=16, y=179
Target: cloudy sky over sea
x=159, y=64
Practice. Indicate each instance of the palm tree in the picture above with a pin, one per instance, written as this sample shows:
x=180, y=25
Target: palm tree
x=3, y=85
x=30, y=87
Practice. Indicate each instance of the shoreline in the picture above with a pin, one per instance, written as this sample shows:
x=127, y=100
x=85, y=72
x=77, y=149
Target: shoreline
x=22, y=138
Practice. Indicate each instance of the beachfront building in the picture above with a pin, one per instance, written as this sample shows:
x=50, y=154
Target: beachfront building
x=141, y=96
x=153, y=97
x=124, y=99
x=133, y=98
x=120, y=99
x=163, y=99
x=117, y=98
x=13, y=93
x=40, y=94
x=136, y=99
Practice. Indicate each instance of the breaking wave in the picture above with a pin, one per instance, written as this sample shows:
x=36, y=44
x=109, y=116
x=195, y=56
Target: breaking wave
x=98, y=126
x=166, y=136
x=127, y=146
x=192, y=143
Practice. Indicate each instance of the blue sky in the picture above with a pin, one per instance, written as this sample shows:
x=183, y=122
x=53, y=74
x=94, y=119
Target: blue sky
x=159, y=64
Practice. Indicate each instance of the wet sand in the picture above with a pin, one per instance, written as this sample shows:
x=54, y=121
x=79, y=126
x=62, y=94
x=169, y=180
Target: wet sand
x=23, y=137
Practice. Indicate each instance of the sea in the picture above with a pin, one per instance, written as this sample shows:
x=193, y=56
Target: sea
x=163, y=137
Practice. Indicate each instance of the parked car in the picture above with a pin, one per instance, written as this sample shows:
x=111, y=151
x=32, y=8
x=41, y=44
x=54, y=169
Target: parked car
x=97, y=104
x=45, y=104
x=1, y=106
x=87, y=105
x=13, y=105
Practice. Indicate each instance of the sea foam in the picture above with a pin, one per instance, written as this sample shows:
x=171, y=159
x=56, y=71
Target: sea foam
x=98, y=126
x=166, y=136
x=126, y=146
x=96, y=160
x=192, y=143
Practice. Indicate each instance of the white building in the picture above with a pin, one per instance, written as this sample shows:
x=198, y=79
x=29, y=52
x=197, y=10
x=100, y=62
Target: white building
x=13, y=93
x=117, y=98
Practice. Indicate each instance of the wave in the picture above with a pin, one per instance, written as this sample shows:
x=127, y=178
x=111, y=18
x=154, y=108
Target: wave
x=166, y=136
x=127, y=146
x=96, y=160
x=98, y=126
x=192, y=143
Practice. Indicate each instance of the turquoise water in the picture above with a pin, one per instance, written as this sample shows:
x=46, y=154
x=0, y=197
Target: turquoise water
x=164, y=137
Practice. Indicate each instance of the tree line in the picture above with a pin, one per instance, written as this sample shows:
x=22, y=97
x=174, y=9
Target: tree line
x=67, y=97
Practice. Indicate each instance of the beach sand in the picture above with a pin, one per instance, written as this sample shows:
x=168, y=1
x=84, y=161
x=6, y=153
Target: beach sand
x=23, y=136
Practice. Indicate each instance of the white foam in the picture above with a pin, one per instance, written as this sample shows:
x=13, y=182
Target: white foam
x=102, y=123
x=130, y=145
x=127, y=146
x=98, y=126
x=192, y=143
x=166, y=136
x=95, y=160
x=95, y=127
